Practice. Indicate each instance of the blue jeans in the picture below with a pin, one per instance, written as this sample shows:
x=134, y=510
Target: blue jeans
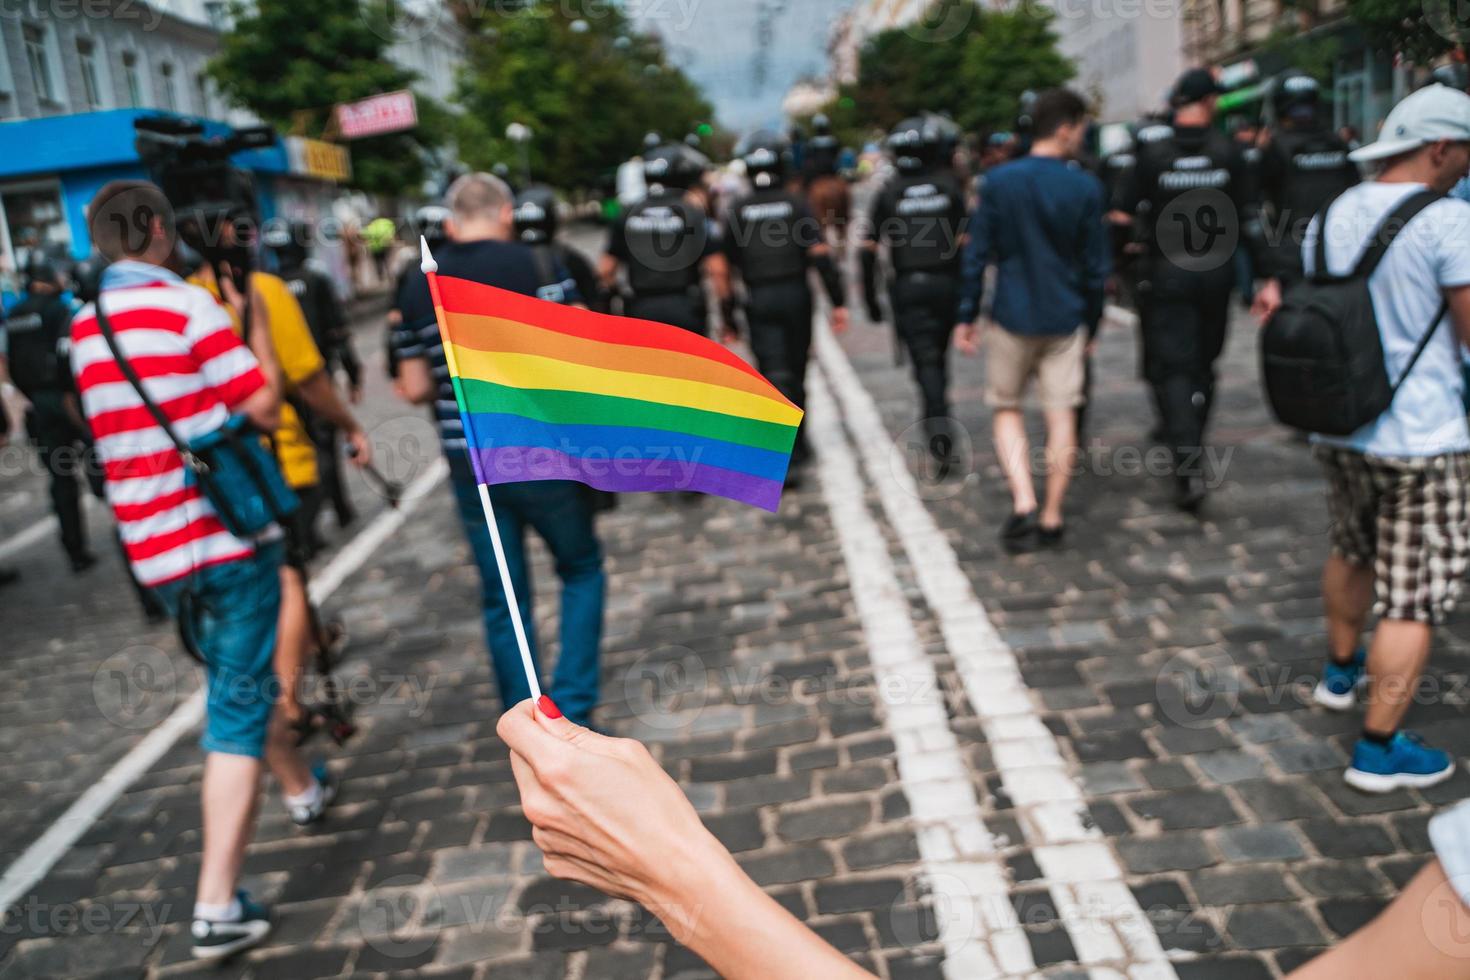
x=561, y=513
x=230, y=617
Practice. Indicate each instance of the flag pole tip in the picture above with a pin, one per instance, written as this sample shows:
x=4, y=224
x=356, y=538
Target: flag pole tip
x=426, y=260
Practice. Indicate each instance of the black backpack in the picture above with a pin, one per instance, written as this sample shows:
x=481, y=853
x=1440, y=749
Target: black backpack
x=1321, y=353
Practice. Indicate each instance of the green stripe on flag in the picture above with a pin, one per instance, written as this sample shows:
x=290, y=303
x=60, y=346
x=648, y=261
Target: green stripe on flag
x=579, y=407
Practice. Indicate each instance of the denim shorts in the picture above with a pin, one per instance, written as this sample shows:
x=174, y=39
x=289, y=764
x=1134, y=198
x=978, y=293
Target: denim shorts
x=232, y=613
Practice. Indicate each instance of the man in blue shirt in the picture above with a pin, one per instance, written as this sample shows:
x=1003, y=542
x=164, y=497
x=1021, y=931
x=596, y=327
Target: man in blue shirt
x=1040, y=222
x=480, y=227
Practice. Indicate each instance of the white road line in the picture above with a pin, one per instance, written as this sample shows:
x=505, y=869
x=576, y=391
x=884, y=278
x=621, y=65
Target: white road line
x=1101, y=914
x=977, y=924
x=19, y=542
x=51, y=846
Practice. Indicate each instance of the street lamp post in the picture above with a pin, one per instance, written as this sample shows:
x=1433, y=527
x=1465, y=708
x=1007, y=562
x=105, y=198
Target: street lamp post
x=520, y=134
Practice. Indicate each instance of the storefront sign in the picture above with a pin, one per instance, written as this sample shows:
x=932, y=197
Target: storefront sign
x=319, y=159
x=390, y=112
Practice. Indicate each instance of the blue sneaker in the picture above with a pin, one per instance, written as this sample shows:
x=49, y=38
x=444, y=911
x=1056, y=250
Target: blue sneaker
x=1405, y=762
x=1338, y=687
x=216, y=940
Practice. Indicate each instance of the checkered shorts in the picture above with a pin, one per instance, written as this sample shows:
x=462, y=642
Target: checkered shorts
x=1409, y=519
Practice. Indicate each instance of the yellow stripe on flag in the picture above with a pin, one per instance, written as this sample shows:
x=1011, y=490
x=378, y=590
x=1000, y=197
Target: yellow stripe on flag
x=532, y=371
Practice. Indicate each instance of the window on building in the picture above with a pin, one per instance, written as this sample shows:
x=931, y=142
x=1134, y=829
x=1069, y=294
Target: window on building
x=201, y=87
x=38, y=59
x=87, y=59
x=133, y=78
x=167, y=93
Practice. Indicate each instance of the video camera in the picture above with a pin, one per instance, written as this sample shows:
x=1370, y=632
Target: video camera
x=207, y=192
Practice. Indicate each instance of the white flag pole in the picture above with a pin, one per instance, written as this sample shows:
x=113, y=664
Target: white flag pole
x=430, y=269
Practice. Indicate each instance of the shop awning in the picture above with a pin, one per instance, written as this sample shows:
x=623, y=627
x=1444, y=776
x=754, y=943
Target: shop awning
x=87, y=140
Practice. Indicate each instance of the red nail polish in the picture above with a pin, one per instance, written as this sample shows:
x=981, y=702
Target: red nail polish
x=548, y=707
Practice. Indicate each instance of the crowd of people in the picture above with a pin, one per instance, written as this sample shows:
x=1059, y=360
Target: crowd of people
x=174, y=353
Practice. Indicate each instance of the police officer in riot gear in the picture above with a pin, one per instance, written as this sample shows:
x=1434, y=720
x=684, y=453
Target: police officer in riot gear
x=772, y=238
x=820, y=153
x=1302, y=168
x=919, y=216
x=665, y=243
x=39, y=333
x=1191, y=197
x=317, y=296
x=536, y=225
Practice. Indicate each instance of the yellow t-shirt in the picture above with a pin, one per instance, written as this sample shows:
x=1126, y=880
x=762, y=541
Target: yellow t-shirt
x=300, y=359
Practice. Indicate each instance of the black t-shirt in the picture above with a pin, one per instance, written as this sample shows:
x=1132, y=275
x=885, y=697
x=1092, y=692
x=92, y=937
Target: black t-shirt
x=505, y=265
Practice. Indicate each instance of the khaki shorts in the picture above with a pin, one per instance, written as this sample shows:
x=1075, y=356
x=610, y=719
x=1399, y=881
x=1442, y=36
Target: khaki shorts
x=1057, y=363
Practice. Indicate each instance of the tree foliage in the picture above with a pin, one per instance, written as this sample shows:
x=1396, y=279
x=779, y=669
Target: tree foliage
x=1420, y=30
x=291, y=62
x=589, y=88
x=962, y=59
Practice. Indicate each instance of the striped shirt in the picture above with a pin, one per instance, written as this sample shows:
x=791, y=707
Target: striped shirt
x=183, y=347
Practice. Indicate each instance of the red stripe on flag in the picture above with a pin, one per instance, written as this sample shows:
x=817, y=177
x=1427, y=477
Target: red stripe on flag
x=464, y=296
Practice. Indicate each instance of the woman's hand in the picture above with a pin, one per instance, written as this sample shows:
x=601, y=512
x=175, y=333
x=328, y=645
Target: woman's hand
x=603, y=811
x=606, y=814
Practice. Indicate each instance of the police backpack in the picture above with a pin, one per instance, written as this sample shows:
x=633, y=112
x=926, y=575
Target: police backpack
x=1322, y=359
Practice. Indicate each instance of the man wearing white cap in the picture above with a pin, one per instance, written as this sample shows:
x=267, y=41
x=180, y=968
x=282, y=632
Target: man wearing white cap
x=1399, y=487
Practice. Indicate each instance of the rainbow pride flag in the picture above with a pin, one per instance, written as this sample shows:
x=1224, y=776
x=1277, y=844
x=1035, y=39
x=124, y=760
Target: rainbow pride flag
x=548, y=392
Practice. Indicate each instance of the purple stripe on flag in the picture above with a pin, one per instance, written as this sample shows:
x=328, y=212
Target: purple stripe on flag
x=518, y=464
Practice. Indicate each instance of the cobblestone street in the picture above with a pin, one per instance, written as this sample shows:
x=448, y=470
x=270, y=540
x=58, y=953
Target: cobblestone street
x=1099, y=761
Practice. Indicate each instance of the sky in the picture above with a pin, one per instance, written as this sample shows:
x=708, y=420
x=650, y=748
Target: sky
x=715, y=42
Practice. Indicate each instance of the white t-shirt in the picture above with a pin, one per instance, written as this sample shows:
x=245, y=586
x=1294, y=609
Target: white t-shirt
x=1430, y=254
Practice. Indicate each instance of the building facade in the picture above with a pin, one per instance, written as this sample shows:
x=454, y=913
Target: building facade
x=1127, y=52
x=73, y=77
x=1237, y=36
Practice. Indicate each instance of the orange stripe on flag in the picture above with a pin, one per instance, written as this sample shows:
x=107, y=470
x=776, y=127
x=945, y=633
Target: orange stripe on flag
x=497, y=335
x=463, y=296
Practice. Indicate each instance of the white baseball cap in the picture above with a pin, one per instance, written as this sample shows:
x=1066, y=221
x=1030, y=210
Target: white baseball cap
x=1435, y=112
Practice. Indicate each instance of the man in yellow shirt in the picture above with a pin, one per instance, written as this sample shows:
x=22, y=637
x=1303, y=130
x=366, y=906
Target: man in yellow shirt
x=304, y=373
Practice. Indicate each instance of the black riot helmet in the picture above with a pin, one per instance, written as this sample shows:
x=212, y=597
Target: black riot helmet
x=922, y=143
x=766, y=155
x=429, y=222
x=821, y=125
x=1295, y=95
x=535, y=215
x=674, y=166
x=652, y=141
x=286, y=240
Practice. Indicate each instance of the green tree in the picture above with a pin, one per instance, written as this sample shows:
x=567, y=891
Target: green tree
x=967, y=61
x=1420, y=30
x=291, y=62
x=589, y=89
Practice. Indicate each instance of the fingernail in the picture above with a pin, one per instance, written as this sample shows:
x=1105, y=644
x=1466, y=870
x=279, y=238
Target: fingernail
x=548, y=707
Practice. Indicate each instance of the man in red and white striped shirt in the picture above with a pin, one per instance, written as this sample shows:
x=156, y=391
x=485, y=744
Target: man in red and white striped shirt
x=182, y=345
